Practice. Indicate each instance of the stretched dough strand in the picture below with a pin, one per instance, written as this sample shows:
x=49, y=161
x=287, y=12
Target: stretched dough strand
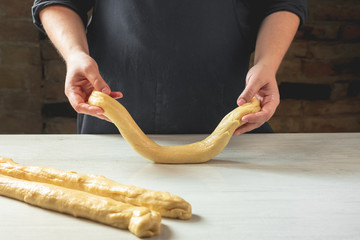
x=139, y=220
x=197, y=152
x=168, y=205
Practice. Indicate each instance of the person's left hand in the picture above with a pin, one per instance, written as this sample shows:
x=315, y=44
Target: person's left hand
x=260, y=82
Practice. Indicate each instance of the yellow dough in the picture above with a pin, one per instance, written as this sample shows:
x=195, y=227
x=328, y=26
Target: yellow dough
x=139, y=220
x=191, y=153
x=168, y=205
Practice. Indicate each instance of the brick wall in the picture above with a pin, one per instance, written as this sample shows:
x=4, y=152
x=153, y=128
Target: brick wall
x=58, y=115
x=32, y=98
x=20, y=70
x=319, y=80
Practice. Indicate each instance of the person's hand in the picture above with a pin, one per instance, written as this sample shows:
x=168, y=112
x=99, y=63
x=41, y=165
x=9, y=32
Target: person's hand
x=260, y=82
x=82, y=78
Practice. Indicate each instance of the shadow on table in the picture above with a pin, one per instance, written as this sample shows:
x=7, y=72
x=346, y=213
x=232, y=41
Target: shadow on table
x=194, y=219
x=165, y=233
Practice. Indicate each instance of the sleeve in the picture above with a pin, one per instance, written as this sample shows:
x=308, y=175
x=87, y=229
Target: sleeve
x=81, y=7
x=298, y=7
x=262, y=8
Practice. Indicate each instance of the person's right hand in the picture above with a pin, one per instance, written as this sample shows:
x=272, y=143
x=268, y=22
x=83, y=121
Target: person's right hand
x=82, y=77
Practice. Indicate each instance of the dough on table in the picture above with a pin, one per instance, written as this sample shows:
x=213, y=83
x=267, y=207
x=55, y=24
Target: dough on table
x=139, y=220
x=168, y=205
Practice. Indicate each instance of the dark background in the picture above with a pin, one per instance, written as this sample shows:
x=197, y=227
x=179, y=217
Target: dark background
x=319, y=79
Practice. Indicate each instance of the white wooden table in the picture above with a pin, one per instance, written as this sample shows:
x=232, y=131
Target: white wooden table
x=276, y=186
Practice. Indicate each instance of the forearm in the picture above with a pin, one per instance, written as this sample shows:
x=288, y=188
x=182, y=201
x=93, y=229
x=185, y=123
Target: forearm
x=67, y=32
x=65, y=29
x=274, y=38
x=275, y=35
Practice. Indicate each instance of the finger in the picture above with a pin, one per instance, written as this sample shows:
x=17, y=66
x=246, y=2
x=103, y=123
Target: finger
x=246, y=128
x=81, y=107
x=94, y=77
x=90, y=110
x=238, y=131
x=78, y=103
x=258, y=117
x=93, y=111
x=267, y=111
x=249, y=92
x=102, y=116
x=116, y=95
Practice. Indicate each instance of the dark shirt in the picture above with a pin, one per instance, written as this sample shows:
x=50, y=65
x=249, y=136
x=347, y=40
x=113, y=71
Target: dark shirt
x=180, y=64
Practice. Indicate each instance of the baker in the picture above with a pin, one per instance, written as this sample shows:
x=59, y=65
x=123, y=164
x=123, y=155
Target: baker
x=179, y=66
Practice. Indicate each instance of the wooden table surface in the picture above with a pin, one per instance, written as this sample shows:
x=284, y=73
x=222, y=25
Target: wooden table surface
x=275, y=186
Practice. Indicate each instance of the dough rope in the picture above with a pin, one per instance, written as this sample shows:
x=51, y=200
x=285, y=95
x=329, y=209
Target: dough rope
x=139, y=220
x=197, y=152
x=168, y=205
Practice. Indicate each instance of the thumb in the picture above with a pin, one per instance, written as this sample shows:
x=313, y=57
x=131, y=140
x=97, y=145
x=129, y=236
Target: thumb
x=97, y=81
x=249, y=92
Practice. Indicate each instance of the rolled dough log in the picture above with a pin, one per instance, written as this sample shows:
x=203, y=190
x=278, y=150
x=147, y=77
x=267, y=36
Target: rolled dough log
x=197, y=152
x=139, y=220
x=168, y=205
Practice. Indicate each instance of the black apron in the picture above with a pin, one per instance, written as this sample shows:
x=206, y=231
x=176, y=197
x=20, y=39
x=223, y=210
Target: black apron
x=180, y=64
